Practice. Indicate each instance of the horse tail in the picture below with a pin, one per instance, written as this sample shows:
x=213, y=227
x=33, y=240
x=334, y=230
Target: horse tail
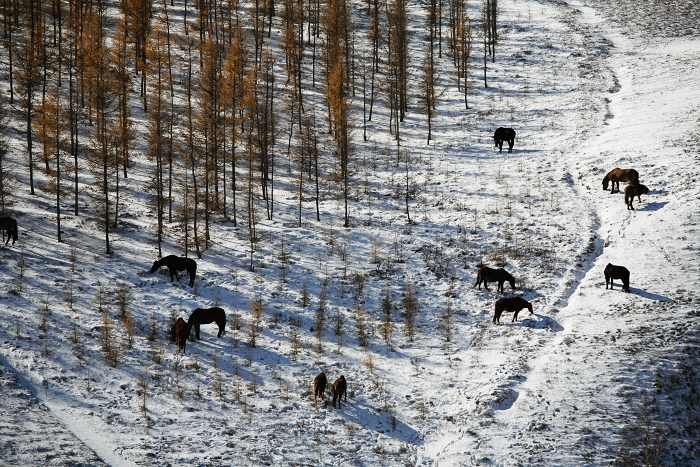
x=190, y=322
x=498, y=311
x=192, y=271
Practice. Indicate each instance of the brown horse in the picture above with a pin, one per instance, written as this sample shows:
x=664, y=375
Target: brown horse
x=617, y=272
x=320, y=383
x=634, y=190
x=340, y=389
x=618, y=175
x=206, y=316
x=514, y=304
x=181, y=331
x=499, y=275
x=9, y=225
x=175, y=264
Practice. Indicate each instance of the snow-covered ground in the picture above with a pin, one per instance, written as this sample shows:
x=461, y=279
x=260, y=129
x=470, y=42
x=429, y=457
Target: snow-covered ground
x=593, y=376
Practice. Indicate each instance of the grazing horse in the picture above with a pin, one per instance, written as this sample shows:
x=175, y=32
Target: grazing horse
x=175, y=264
x=499, y=275
x=320, y=383
x=617, y=272
x=504, y=134
x=514, y=304
x=206, y=316
x=618, y=175
x=181, y=331
x=340, y=389
x=9, y=225
x=634, y=190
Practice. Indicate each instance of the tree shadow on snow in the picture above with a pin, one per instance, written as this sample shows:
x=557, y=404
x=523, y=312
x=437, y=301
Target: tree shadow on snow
x=371, y=419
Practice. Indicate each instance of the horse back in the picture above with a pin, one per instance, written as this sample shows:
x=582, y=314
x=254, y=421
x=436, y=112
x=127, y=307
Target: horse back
x=616, y=272
x=8, y=223
x=511, y=304
x=504, y=133
x=208, y=315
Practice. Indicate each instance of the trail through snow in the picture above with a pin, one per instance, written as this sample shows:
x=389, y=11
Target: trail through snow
x=579, y=390
x=564, y=386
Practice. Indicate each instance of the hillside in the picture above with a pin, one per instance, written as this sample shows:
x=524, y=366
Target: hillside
x=593, y=376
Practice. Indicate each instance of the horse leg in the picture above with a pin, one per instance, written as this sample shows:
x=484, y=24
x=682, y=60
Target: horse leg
x=510, y=145
x=191, y=280
x=196, y=330
x=486, y=285
x=515, y=316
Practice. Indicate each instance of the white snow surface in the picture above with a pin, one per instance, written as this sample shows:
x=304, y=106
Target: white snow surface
x=594, y=376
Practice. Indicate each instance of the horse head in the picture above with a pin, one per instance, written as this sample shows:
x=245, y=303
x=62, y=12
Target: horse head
x=643, y=189
x=155, y=267
x=605, y=182
x=529, y=307
x=511, y=281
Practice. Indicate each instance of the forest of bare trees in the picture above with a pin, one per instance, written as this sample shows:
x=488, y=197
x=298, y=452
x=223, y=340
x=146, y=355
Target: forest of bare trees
x=204, y=83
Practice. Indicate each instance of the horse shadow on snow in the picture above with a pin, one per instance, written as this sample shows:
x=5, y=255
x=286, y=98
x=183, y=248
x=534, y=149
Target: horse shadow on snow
x=537, y=321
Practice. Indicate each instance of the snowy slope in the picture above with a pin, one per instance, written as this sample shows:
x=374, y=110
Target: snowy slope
x=563, y=386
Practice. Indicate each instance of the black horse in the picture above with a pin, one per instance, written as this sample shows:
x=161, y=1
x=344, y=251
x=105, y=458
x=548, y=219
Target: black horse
x=339, y=389
x=175, y=264
x=504, y=134
x=206, y=316
x=512, y=304
x=634, y=190
x=9, y=225
x=499, y=275
x=617, y=272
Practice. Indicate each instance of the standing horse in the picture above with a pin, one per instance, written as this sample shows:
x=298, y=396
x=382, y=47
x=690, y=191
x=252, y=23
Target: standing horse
x=340, y=389
x=504, y=134
x=634, y=190
x=206, y=316
x=320, y=383
x=499, y=275
x=181, y=331
x=618, y=175
x=8, y=225
x=617, y=272
x=175, y=264
x=514, y=304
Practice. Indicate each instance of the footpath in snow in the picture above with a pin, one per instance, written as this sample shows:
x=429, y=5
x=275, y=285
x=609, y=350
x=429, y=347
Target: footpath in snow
x=617, y=383
x=581, y=381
